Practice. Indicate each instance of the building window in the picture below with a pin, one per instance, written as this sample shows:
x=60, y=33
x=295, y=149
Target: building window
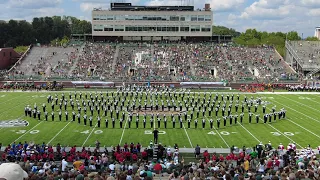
x=118, y=28
x=97, y=27
x=110, y=17
x=207, y=18
x=164, y=18
x=184, y=29
x=174, y=18
x=172, y=28
x=96, y=17
x=194, y=18
x=119, y=17
x=103, y=17
x=200, y=18
x=205, y=28
x=195, y=28
x=108, y=28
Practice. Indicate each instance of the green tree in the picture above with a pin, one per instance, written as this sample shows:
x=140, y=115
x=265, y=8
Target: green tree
x=44, y=30
x=312, y=38
x=293, y=36
x=253, y=38
x=221, y=30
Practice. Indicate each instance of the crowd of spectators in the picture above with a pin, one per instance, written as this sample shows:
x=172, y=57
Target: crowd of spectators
x=166, y=62
x=132, y=161
x=95, y=60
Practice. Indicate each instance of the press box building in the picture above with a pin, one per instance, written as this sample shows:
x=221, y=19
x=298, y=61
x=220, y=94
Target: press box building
x=125, y=22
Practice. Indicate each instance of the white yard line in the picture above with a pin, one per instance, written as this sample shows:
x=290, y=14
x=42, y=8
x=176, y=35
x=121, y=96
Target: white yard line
x=187, y=135
x=11, y=99
x=58, y=133
x=219, y=134
x=125, y=124
x=250, y=133
x=300, y=126
x=303, y=128
x=296, y=111
x=284, y=135
x=28, y=131
x=89, y=135
x=300, y=103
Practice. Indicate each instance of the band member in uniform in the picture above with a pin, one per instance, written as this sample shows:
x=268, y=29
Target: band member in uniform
x=218, y=123
x=144, y=122
x=44, y=107
x=137, y=121
x=151, y=122
x=90, y=121
x=99, y=121
x=60, y=114
x=107, y=123
x=230, y=119
x=211, y=123
x=235, y=119
x=225, y=121
x=265, y=118
x=270, y=117
x=159, y=122
x=85, y=119
x=129, y=122
x=257, y=118
x=173, y=123
x=79, y=116
x=196, y=123
x=67, y=116
x=46, y=115
x=189, y=123
x=250, y=117
x=121, y=122
x=38, y=113
x=241, y=117
x=181, y=125
x=113, y=122
x=203, y=123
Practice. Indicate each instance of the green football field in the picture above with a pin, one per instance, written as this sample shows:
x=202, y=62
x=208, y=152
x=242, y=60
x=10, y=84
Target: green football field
x=301, y=125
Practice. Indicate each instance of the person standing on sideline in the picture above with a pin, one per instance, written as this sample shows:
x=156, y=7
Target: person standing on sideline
x=155, y=136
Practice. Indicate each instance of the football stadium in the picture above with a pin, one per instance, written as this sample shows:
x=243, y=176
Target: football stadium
x=153, y=93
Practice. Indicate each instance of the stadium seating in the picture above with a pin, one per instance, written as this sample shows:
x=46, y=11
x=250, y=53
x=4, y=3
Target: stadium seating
x=46, y=62
x=308, y=52
x=156, y=62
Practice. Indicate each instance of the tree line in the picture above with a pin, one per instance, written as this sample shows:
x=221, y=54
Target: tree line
x=41, y=30
x=254, y=38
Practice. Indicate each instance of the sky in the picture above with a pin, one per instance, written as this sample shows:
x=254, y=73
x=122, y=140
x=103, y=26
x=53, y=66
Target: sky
x=264, y=15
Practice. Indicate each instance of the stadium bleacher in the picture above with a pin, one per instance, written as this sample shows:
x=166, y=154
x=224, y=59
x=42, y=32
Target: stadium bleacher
x=308, y=52
x=155, y=62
